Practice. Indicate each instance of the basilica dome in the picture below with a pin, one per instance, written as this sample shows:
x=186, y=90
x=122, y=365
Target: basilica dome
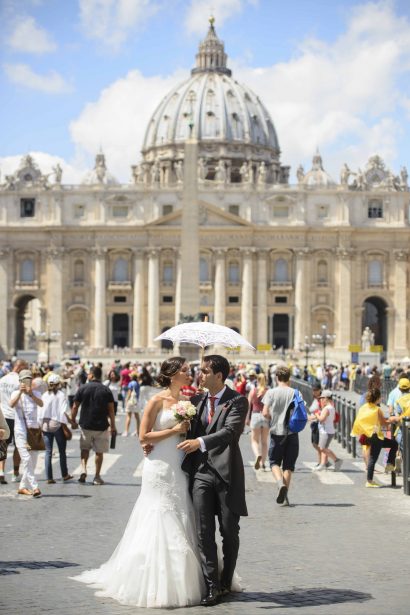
x=228, y=119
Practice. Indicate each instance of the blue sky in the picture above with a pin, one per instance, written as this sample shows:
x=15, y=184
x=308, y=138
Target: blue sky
x=76, y=75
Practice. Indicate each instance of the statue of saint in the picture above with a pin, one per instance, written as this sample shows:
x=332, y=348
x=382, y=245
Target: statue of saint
x=58, y=173
x=179, y=171
x=404, y=176
x=202, y=169
x=155, y=172
x=262, y=174
x=345, y=174
x=360, y=180
x=244, y=172
x=300, y=174
x=367, y=339
x=220, y=174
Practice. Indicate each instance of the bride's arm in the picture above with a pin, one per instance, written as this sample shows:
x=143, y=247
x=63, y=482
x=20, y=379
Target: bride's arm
x=146, y=435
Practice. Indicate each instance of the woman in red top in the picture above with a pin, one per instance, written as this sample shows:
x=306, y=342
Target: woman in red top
x=258, y=423
x=240, y=384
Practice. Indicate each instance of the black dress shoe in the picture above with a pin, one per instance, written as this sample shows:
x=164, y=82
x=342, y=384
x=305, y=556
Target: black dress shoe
x=211, y=598
x=225, y=590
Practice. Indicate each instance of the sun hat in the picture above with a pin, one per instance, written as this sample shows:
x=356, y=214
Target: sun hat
x=327, y=393
x=404, y=383
x=25, y=373
x=54, y=379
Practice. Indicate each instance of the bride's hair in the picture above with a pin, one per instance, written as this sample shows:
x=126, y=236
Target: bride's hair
x=169, y=368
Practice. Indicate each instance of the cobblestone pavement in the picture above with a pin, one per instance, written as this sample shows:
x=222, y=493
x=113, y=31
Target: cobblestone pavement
x=338, y=549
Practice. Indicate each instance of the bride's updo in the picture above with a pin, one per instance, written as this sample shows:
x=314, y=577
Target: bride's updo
x=169, y=368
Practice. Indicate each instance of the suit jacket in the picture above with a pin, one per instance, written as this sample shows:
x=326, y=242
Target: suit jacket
x=221, y=438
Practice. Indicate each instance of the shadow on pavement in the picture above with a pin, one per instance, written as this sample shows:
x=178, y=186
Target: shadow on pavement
x=12, y=567
x=64, y=495
x=330, y=504
x=303, y=597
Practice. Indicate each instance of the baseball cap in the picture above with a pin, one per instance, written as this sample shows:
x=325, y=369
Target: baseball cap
x=327, y=393
x=404, y=383
x=25, y=373
x=54, y=379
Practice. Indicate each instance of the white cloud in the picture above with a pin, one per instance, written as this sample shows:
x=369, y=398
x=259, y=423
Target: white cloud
x=112, y=21
x=342, y=96
x=23, y=75
x=72, y=173
x=200, y=10
x=29, y=37
x=117, y=121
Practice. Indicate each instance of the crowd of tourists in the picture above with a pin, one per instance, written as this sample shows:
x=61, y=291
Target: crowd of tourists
x=43, y=402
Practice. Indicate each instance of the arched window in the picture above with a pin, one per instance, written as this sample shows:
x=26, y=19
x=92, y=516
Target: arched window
x=79, y=271
x=375, y=273
x=120, y=271
x=27, y=270
x=281, y=270
x=233, y=273
x=203, y=270
x=168, y=272
x=322, y=272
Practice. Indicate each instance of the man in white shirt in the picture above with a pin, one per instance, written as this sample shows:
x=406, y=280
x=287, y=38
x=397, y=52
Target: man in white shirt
x=8, y=384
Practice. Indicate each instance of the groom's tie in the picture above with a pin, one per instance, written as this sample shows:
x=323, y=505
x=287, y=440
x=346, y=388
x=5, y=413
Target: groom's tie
x=211, y=409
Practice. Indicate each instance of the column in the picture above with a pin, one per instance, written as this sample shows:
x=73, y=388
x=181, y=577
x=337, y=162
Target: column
x=55, y=294
x=178, y=288
x=302, y=296
x=262, y=299
x=247, y=295
x=153, y=297
x=4, y=285
x=100, y=312
x=343, y=322
x=138, y=308
x=220, y=288
x=400, y=302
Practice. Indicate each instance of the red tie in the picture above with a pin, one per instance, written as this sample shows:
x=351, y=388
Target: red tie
x=212, y=409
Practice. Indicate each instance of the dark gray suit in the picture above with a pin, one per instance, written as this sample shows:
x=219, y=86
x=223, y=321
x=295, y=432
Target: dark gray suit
x=217, y=482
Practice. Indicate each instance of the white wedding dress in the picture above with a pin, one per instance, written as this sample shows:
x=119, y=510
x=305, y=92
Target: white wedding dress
x=156, y=563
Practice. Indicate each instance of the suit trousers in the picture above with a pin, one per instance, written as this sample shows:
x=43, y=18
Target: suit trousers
x=209, y=498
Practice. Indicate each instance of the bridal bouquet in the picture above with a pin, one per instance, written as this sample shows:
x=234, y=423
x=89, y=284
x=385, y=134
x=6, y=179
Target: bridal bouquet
x=183, y=411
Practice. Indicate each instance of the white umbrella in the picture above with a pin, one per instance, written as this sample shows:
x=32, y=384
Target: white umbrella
x=204, y=334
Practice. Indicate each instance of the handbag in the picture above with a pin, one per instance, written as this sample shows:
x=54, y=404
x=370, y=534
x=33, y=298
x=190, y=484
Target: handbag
x=3, y=450
x=35, y=440
x=66, y=431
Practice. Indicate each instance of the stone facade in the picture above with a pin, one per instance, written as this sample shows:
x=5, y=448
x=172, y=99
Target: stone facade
x=114, y=265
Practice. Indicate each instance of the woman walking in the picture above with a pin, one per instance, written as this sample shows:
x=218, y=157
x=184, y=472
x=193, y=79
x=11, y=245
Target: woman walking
x=326, y=420
x=368, y=427
x=113, y=383
x=53, y=417
x=258, y=423
x=25, y=401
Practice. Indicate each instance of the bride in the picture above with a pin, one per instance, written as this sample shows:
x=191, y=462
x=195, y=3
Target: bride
x=156, y=563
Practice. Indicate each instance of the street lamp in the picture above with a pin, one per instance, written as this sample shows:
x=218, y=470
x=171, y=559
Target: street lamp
x=48, y=337
x=75, y=344
x=307, y=348
x=324, y=339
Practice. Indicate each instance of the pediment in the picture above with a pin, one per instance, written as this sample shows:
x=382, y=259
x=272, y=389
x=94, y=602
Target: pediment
x=209, y=216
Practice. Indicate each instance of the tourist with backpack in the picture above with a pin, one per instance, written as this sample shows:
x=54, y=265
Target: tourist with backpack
x=280, y=406
x=327, y=419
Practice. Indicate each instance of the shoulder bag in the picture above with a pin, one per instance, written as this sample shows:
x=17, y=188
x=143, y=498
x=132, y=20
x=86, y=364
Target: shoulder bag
x=34, y=437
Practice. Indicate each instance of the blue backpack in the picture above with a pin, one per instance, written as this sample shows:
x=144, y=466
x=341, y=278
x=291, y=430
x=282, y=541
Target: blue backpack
x=298, y=415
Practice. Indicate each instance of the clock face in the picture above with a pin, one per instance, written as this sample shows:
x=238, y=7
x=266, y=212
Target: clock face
x=375, y=176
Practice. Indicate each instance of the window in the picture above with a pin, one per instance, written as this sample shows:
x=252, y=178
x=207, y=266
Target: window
x=375, y=273
x=281, y=211
x=281, y=299
x=322, y=273
x=168, y=273
x=281, y=271
x=27, y=208
x=167, y=209
x=167, y=299
x=375, y=208
x=79, y=211
x=120, y=270
x=233, y=273
x=322, y=212
x=234, y=210
x=120, y=211
x=203, y=270
x=233, y=300
x=27, y=270
x=79, y=271
x=120, y=299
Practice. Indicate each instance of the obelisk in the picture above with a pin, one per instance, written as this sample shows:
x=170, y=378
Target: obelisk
x=188, y=292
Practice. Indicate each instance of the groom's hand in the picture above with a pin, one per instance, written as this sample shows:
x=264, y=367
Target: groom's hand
x=147, y=448
x=189, y=446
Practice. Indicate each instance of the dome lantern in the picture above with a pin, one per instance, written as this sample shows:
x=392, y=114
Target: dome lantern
x=211, y=56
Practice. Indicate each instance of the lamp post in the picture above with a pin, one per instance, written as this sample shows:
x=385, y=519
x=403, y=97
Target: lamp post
x=48, y=337
x=307, y=348
x=75, y=344
x=324, y=339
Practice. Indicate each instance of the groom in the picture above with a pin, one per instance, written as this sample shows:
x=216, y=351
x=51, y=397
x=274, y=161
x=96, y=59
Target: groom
x=214, y=463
